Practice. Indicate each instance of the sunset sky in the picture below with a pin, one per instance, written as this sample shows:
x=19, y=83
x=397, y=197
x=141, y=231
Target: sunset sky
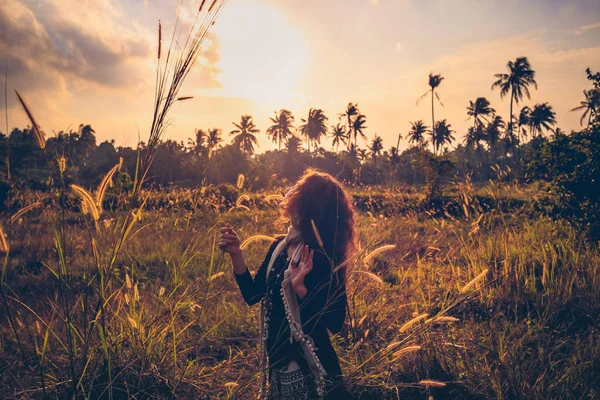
x=93, y=61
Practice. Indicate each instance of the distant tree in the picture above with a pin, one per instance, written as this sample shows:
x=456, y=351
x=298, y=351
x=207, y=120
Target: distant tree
x=441, y=135
x=245, y=138
x=358, y=128
x=213, y=139
x=376, y=147
x=417, y=132
x=350, y=114
x=283, y=126
x=493, y=130
x=479, y=110
x=292, y=145
x=338, y=134
x=542, y=117
x=198, y=146
x=434, y=82
x=590, y=106
x=520, y=76
x=314, y=126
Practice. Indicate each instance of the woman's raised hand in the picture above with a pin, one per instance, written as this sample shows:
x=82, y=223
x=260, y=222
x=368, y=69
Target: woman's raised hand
x=300, y=270
x=229, y=242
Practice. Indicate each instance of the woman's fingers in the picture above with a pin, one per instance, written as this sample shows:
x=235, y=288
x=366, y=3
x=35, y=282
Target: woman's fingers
x=294, y=264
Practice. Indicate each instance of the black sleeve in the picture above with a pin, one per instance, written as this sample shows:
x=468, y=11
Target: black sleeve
x=253, y=289
x=325, y=300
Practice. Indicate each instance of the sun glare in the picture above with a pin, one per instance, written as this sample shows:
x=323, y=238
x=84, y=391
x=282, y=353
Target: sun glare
x=263, y=58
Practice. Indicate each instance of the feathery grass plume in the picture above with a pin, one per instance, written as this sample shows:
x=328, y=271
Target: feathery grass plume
x=39, y=134
x=201, y=5
x=476, y=280
x=441, y=320
x=212, y=6
x=369, y=275
x=88, y=200
x=159, y=38
x=215, y=276
x=104, y=185
x=128, y=281
x=182, y=98
x=413, y=321
x=378, y=251
x=120, y=165
x=274, y=197
x=243, y=207
x=62, y=164
x=23, y=210
x=316, y=233
x=408, y=349
x=240, y=199
x=3, y=242
x=177, y=63
x=431, y=383
x=240, y=181
x=255, y=238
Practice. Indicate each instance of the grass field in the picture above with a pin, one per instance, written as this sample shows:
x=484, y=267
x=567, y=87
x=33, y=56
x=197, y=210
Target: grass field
x=460, y=301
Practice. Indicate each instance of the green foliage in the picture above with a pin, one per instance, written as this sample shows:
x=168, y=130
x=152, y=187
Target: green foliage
x=572, y=164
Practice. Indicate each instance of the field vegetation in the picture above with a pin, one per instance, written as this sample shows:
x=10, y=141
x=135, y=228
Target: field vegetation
x=476, y=275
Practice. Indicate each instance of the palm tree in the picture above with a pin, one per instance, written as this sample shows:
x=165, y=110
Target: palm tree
x=590, y=106
x=293, y=143
x=376, y=147
x=542, y=117
x=358, y=127
x=516, y=82
x=244, y=135
x=493, y=128
x=198, y=146
x=441, y=135
x=282, y=127
x=314, y=126
x=558, y=133
x=338, y=134
x=434, y=83
x=212, y=140
x=351, y=112
x=524, y=117
x=478, y=110
x=417, y=132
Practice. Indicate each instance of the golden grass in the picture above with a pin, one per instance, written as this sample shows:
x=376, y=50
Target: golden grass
x=316, y=233
x=87, y=201
x=272, y=197
x=255, y=238
x=369, y=275
x=475, y=281
x=39, y=134
x=377, y=251
x=23, y=211
x=3, y=242
x=412, y=322
x=104, y=184
x=431, y=383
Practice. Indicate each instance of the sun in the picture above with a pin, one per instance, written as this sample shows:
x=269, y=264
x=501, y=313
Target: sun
x=263, y=58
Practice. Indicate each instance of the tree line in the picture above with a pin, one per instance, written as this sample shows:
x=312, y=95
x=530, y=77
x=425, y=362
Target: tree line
x=208, y=158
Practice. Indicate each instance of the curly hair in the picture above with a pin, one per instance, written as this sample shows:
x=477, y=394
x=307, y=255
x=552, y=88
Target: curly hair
x=319, y=198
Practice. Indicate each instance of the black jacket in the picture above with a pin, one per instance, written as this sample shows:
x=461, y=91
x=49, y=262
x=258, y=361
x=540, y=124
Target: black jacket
x=323, y=308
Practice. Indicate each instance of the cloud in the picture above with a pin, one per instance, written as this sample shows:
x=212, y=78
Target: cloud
x=581, y=30
x=56, y=49
x=399, y=47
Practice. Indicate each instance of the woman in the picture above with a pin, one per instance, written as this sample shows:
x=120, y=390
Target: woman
x=301, y=287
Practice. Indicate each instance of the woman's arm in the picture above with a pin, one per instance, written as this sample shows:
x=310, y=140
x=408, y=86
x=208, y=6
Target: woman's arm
x=252, y=289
